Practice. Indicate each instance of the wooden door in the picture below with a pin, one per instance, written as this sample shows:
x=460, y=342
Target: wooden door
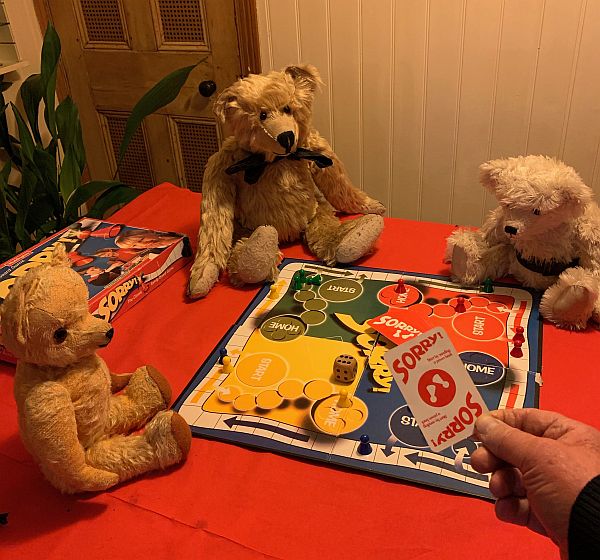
x=113, y=51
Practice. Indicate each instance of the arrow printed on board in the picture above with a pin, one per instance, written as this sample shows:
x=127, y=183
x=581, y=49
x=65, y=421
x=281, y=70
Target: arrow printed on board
x=330, y=271
x=235, y=421
x=415, y=459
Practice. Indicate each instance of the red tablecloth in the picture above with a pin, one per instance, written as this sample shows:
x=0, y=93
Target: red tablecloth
x=231, y=502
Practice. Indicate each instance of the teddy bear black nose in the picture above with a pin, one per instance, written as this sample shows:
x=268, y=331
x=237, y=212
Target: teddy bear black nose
x=109, y=333
x=286, y=139
x=510, y=230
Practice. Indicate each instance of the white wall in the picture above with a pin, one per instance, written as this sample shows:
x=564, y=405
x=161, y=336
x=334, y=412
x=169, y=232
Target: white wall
x=28, y=37
x=420, y=92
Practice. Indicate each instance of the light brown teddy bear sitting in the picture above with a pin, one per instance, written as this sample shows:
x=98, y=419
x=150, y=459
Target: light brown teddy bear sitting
x=69, y=418
x=545, y=232
x=274, y=181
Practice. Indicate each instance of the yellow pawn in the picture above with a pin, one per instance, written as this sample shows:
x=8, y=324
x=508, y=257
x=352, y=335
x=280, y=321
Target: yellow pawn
x=344, y=400
x=273, y=292
x=227, y=367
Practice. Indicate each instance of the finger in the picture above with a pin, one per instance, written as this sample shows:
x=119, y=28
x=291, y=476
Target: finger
x=507, y=482
x=484, y=461
x=505, y=442
x=517, y=511
x=536, y=422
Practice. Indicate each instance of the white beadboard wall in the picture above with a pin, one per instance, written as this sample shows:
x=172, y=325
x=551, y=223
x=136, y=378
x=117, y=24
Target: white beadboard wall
x=418, y=93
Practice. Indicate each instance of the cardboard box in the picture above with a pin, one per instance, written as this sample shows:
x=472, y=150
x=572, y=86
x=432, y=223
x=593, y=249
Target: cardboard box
x=119, y=264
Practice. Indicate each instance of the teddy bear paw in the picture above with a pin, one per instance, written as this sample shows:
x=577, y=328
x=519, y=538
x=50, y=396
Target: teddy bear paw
x=570, y=302
x=255, y=259
x=360, y=239
x=373, y=206
x=202, y=279
x=170, y=437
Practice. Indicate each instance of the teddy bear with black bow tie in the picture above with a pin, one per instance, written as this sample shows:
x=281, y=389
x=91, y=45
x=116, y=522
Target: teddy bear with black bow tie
x=276, y=180
x=545, y=232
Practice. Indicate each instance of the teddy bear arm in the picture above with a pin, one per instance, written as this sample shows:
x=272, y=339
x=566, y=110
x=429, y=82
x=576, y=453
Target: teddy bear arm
x=119, y=381
x=335, y=184
x=51, y=434
x=215, y=235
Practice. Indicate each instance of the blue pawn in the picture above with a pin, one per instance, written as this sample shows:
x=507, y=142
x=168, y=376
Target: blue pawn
x=222, y=354
x=364, y=447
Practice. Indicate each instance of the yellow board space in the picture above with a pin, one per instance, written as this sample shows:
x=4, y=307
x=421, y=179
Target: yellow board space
x=300, y=371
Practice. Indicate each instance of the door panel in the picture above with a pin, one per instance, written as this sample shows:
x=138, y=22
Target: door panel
x=115, y=50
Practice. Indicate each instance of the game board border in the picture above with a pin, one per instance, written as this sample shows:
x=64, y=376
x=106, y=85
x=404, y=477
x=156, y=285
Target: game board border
x=418, y=476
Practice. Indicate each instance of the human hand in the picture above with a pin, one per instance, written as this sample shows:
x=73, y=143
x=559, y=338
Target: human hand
x=540, y=461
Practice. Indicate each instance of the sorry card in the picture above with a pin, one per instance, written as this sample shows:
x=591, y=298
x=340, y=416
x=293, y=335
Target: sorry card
x=302, y=371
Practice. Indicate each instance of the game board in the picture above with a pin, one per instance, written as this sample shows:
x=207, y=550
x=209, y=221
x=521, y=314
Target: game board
x=276, y=388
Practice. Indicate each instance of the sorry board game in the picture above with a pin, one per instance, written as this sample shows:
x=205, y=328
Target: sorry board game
x=119, y=264
x=302, y=371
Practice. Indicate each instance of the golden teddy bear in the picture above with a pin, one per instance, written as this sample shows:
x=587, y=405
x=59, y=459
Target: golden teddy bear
x=70, y=420
x=276, y=180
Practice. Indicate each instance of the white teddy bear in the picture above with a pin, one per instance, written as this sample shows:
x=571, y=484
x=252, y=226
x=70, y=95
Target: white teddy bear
x=545, y=232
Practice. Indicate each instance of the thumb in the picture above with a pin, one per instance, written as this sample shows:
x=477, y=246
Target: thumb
x=505, y=442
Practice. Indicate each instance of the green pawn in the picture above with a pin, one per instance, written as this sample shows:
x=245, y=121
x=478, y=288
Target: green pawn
x=488, y=286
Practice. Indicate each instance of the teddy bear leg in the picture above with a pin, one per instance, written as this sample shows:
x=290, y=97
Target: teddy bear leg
x=146, y=393
x=570, y=302
x=334, y=241
x=166, y=441
x=255, y=258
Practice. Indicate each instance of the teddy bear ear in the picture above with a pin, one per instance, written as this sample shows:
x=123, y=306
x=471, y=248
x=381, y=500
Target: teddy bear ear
x=489, y=172
x=59, y=256
x=225, y=105
x=305, y=75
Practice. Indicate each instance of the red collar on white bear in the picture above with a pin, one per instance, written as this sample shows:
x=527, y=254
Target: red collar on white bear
x=254, y=165
x=546, y=268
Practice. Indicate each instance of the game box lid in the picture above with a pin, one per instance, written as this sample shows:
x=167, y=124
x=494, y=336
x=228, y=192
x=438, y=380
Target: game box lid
x=120, y=264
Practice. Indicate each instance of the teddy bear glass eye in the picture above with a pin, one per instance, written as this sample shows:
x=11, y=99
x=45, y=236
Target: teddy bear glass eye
x=537, y=212
x=287, y=110
x=60, y=335
x=263, y=115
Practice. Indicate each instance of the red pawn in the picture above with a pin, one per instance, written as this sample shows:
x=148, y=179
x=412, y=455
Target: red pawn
x=460, y=305
x=520, y=337
x=400, y=287
x=516, y=352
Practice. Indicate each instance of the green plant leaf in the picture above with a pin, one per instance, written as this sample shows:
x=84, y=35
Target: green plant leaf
x=46, y=173
x=49, y=62
x=26, y=192
x=69, y=130
x=112, y=197
x=27, y=144
x=31, y=92
x=81, y=195
x=70, y=175
x=161, y=94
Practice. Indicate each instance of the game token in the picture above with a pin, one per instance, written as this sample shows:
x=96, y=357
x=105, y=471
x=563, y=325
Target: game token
x=488, y=286
x=516, y=352
x=344, y=401
x=315, y=280
x=519, y=336
x=227, y=367
x=273, y=292
x=222, y=354
x=460, y=305
x=400, y=287
x=364, y=447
